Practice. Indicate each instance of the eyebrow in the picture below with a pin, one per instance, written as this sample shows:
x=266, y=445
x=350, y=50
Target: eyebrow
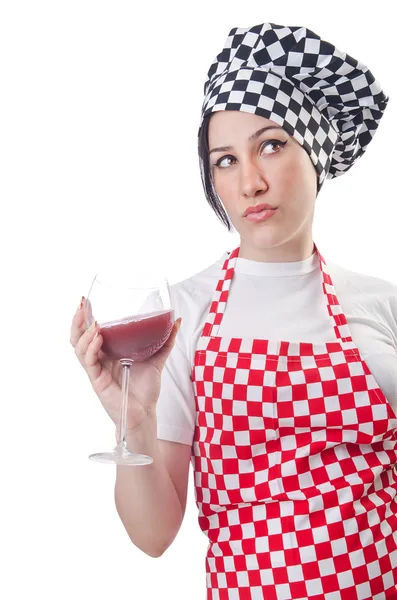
x=253, y=137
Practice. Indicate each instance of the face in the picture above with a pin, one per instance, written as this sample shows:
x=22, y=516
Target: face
x=249, y=168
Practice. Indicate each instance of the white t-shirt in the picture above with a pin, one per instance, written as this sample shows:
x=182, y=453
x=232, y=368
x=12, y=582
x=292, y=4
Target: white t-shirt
x=276, y=301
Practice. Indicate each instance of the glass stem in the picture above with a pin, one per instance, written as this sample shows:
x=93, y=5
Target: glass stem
x=121, y=442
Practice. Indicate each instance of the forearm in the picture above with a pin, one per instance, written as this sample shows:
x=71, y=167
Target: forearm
x=146, y=499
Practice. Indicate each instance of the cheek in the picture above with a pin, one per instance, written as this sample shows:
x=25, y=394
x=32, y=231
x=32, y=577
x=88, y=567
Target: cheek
x=225, y=186
x=298, y=175
x=290, y=172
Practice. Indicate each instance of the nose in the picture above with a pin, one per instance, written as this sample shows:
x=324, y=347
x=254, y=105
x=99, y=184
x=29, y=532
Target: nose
x=252, y=179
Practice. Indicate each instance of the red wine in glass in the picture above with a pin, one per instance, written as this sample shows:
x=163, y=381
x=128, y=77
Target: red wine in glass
x=135, y=315
x=137, y=337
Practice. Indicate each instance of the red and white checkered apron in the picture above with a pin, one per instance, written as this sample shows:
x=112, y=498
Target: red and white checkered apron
x=294, y=459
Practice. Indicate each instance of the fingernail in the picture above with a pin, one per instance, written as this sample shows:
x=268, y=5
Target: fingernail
x=82, y=302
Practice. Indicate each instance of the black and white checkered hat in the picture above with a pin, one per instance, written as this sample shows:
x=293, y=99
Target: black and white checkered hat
x=327, y=100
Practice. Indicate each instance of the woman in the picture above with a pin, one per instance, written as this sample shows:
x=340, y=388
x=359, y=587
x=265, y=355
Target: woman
x=291, y=434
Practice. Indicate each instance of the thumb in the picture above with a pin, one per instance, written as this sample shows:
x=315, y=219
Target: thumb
x=161, y=355
x=169, y=344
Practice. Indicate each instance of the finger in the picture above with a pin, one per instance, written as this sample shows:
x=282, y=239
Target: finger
x=83, y=343
x=81, y=321
x=78, y=325
x=91, y=358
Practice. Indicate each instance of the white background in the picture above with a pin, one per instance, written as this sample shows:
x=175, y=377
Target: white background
x=100, y=104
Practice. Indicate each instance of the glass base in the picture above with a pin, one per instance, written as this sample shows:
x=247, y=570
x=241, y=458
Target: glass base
x=121, y=456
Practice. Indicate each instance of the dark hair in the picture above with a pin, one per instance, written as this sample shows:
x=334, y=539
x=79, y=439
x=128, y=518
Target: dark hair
x=206, y=176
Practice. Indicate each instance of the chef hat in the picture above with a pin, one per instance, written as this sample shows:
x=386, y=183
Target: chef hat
x=327, y=100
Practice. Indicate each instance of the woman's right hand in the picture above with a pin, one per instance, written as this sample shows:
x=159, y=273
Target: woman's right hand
x=105, y=374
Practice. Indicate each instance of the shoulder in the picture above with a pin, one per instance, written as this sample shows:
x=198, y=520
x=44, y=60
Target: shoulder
x=199, y=287
x=367, y=297
x=362, y=283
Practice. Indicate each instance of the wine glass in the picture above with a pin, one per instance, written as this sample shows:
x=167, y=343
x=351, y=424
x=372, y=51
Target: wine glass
x=134, y=312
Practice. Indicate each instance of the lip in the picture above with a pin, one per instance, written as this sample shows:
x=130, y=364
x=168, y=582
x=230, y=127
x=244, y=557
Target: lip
x=258, y=208
x=263, y=215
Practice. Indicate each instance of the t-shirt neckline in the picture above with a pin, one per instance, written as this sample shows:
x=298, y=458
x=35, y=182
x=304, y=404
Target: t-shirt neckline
x=276, y=269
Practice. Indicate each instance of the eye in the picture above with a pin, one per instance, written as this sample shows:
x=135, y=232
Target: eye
x=264, y=145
